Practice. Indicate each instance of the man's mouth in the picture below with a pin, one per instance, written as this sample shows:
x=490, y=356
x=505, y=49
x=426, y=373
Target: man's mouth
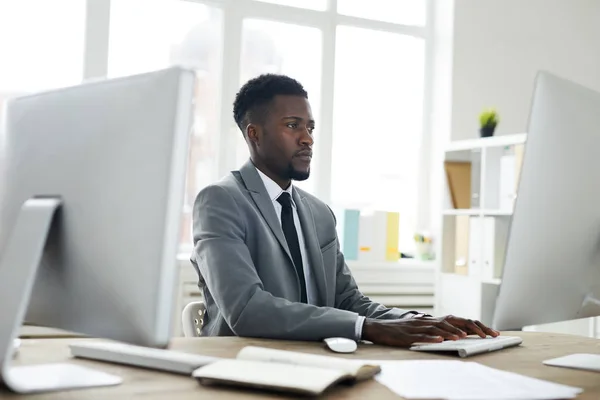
x=304, y=154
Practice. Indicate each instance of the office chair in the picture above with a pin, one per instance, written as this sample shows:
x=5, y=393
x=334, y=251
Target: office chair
x=192, y=318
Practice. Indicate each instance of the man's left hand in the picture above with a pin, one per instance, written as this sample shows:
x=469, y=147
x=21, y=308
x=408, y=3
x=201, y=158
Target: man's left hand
x=467, y=326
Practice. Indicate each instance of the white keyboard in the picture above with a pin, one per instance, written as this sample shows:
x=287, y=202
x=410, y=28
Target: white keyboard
x=470, y=345
x=138, y=356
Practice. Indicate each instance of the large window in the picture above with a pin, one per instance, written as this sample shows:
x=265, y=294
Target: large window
x=42, y=49
x=407, y=12
x=39, y=50
x=282, y=48
x=362, y=62
x=378, y=123
x=147, y=35
x=312, y=4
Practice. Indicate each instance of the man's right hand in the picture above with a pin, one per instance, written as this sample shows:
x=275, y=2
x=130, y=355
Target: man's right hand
x=405, y=332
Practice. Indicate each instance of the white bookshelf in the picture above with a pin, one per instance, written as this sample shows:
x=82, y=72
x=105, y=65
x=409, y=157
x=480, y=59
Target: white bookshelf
x=477, y=212
x=472, y=239
x=469, y=291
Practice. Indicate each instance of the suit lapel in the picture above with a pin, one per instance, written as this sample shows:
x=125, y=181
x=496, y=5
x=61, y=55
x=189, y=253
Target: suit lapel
x=263, y=202
x=312, y=244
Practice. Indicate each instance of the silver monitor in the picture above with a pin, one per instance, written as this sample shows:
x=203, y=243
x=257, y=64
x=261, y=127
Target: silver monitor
x=90, y=211
x=552, y=266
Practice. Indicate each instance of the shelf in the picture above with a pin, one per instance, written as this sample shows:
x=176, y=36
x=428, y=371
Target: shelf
x=480, y=143
x=402, y=264
x=478, y=212
x=499, y=213
x=456, y=211
x=455, y=276
x=496, y=281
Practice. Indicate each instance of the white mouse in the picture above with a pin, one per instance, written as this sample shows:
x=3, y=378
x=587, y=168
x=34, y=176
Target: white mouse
x=341, y=345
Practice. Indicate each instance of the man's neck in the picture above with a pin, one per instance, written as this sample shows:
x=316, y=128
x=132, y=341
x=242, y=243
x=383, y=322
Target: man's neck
x=283, y=183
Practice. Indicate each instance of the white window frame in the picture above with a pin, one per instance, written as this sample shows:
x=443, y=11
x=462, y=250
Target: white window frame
x=234, y=12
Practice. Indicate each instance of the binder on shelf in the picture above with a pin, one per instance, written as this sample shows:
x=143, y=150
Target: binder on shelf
x=348, y=227
x=475, y=180
x=378, y=236
x=461, y=245
x=508, y=186
x=495, y=238
x=366, y=238
x=475, y=237
x=392, y=253
x=458, y=175
x=519, y=153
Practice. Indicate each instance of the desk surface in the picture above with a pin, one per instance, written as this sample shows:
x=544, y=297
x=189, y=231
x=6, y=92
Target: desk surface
x=526, y=359
x=41, y=332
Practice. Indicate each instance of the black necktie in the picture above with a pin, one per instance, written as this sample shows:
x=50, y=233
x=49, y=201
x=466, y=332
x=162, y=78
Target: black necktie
x=291, y=236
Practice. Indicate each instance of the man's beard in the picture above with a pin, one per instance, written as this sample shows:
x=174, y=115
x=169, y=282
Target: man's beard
x=298, y=175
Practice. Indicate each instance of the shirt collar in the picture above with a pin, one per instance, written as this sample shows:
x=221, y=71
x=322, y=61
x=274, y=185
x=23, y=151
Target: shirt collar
x=273, y=189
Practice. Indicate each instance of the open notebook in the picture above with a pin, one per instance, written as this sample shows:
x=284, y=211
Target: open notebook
x=284, y=371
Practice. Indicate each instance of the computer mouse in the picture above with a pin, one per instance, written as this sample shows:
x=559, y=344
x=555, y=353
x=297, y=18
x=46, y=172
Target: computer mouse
x=341, y=345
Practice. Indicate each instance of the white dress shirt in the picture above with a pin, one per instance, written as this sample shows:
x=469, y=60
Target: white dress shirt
x=274, y=191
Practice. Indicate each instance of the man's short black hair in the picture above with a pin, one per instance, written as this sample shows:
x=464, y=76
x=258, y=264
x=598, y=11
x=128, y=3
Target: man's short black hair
x=252, y=99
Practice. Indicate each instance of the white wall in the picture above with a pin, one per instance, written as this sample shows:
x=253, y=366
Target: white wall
x=500, y=44
x=497, y=47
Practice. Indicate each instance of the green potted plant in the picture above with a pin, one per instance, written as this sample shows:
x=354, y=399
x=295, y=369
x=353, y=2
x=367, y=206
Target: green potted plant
x=488, y=119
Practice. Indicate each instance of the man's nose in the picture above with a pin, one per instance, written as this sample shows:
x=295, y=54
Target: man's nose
x=306, y=139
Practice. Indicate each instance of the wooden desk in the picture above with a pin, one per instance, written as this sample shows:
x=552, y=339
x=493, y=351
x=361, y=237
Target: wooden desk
x=138, y=383
x=41, y=332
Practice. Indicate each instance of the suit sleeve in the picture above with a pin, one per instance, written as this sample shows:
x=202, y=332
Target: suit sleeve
x=349, y=297
x=226, y=266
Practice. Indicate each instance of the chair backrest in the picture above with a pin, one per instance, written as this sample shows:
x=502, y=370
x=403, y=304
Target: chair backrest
x=192, y=318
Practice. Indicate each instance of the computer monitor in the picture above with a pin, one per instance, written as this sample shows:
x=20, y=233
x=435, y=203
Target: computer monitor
x=94, y=179
x=552, y=265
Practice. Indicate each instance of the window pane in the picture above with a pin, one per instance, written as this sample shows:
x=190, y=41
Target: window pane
x=41, y=48
x=149, y=35
x=287, y=49
x=320, y=5
x=407, y=12
x=378, y=123
x=41, y=44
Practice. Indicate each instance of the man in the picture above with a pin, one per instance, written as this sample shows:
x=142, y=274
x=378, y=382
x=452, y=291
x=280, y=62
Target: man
x=267, y=253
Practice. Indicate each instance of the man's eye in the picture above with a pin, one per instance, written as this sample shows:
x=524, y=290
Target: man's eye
x=292, y=125
x=311, y=129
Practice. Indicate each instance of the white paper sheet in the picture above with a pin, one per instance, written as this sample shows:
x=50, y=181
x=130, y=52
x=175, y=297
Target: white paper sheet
x=460, y=380
x=590, y=362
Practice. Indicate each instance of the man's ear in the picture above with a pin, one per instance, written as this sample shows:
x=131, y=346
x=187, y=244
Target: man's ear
x=252, y=134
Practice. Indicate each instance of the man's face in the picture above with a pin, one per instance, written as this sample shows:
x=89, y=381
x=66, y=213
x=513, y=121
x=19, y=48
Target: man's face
x=285, y=140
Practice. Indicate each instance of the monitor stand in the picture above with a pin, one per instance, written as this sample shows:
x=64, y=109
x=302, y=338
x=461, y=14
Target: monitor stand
x=18, y=268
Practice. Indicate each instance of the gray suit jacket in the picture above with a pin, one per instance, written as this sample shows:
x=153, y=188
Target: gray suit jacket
x=246, y=272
